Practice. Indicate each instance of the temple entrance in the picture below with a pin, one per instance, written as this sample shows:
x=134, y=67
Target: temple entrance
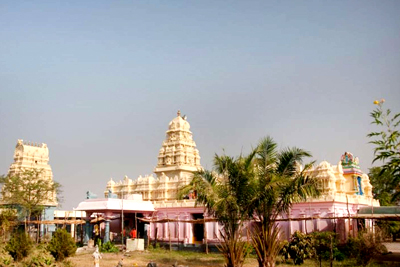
x=198, y=229
x=132, y=221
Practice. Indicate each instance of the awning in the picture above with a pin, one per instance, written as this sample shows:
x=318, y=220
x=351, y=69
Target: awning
x=114, y=205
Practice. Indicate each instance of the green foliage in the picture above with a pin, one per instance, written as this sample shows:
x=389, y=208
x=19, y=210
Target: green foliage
x=300, y=247
x=225, y=196
x=260, y=186
x=5, y=257
x=383, y=185
x=387, y=147
x=7, y=221
x=108, y=247
x=277, y=185
x=156, y=246
x=39, y=258
x=19, y=245
x=325, y=245
x=29, y=190
x=61, y=245
x=365, y=247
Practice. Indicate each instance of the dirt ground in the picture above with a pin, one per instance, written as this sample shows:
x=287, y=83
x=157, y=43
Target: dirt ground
x=163, y=259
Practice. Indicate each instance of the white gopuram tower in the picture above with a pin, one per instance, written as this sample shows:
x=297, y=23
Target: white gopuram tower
x=33, y=156
x=178, y=155
x=178, y=159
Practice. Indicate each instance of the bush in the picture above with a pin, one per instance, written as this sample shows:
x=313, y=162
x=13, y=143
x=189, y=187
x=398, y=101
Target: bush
x=366, y=246
x=39, y=258
x=61, y=245
x=108, y=247
x=300, y=247
x=19, y=245
x=325, y=244
x=5, y=257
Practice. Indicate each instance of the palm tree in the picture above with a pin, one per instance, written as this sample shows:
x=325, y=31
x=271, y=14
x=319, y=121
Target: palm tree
x=258, y=187
x=223, y=192
x=277, y=185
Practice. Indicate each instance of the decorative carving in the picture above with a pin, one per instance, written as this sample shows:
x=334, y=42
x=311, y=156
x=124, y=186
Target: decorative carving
x=348, y=159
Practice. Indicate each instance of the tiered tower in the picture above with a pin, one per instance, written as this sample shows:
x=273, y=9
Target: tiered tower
x=178, y=155
x=178, y=159
x=33, y=156
x=344, y=181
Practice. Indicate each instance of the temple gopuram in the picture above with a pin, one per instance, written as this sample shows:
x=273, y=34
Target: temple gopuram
x=30, y=156
x=149, y=203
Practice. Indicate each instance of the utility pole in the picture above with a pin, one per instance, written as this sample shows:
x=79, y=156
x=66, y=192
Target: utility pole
x=122, y=217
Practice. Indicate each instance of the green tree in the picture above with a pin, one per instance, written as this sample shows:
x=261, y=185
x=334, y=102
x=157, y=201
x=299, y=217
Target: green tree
x=387, y=145
x=383, y=185
x=325, y=245
x=278, y=184
x=383, y=189
x=225, y=196
x=29, y=191
x=259, y=186
x=7, y=221
x=19, y=245
x=300, y=247
x=61, y=245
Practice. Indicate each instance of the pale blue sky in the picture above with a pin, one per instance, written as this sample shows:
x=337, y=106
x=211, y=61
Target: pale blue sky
x=99, y=81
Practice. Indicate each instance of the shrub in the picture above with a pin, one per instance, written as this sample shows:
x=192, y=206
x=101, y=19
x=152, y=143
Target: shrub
x=5, y=257
x=19, y=245
x=39, y=258
x=108, y=247
x=300, y=247
x=368, y=245
x=61, y=245
x=325, y=244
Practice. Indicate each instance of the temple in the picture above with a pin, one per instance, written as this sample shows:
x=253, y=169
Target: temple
x=149, y=204
x=35, y=156
x=345, y=190
x=178, y=159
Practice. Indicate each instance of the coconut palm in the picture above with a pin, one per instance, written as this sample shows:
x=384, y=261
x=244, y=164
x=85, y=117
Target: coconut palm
x=223, y=192
x=278, y=184
x=259, y=187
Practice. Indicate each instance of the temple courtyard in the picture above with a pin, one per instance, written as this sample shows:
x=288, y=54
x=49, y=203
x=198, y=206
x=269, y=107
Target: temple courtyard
x=165, y=258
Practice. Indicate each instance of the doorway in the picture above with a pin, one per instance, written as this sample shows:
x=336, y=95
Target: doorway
x=198, y=228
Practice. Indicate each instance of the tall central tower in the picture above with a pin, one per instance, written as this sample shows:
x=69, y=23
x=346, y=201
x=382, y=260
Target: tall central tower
x=178, y=155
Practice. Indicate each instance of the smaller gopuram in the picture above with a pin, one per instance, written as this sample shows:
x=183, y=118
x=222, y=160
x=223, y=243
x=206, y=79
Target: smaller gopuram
x=345, y=189
x=344, y=181
x=31, y=156
x=35, y=156
x=178, y=159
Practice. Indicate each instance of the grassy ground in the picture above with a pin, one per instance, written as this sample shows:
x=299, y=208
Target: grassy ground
x=165, y=258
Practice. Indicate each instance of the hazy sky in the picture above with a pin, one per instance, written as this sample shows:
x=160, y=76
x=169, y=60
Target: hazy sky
x=99, y=81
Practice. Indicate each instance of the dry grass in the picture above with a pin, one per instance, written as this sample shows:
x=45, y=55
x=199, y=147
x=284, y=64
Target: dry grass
x=163, y=258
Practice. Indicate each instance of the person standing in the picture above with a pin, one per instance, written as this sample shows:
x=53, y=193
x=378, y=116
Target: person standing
x=97, y=257
x=133, y=233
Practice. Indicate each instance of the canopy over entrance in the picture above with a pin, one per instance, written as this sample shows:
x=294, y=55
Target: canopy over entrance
x=115, y=205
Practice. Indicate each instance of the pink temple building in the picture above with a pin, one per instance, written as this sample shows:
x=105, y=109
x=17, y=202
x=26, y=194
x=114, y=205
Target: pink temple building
x=151, y=204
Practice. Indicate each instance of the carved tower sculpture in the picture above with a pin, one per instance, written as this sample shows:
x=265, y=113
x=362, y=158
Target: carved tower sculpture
x=178, y=155
x=33, y=156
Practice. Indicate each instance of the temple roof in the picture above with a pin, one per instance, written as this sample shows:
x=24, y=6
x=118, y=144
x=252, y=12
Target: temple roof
x=178, y=150
x=179, y=123
x=114, y=204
